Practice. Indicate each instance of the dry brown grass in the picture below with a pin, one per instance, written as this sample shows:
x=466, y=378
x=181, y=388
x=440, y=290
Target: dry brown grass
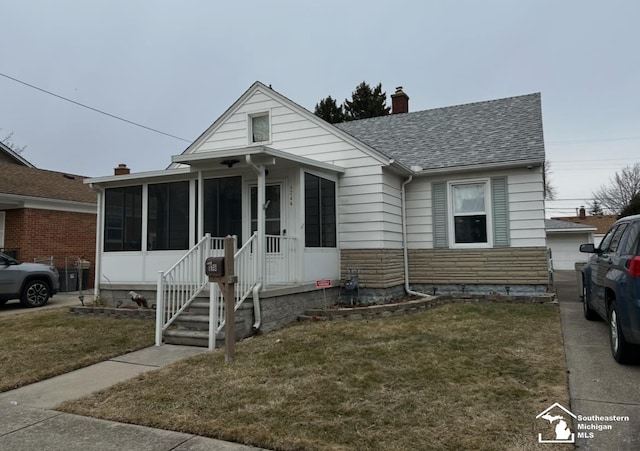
x=463, y=376
x=40, y=345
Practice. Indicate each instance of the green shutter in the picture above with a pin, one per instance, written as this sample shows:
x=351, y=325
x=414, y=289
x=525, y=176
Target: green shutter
x=439, y=211
x=500, y=205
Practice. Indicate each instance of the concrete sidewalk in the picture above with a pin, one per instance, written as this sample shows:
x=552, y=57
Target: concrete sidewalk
x=598, y=386
x=28, y=423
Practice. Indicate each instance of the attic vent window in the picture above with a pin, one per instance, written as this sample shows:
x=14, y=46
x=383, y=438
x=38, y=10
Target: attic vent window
x=260, y=128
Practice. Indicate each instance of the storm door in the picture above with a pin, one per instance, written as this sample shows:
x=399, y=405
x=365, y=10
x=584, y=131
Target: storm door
x=273, y=212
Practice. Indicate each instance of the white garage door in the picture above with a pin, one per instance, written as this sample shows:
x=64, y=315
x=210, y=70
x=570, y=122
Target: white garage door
x=565, y=249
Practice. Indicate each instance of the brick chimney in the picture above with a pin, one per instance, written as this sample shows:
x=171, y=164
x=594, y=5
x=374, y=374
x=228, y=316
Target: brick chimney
x=122, y=169
x=399, y=101
x=582, y=213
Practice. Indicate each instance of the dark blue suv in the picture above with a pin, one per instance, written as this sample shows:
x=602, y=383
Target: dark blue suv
x=611, y=286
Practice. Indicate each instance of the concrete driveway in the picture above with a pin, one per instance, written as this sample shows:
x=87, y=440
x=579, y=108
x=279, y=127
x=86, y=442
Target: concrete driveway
x=58, y=300
x=598, y=386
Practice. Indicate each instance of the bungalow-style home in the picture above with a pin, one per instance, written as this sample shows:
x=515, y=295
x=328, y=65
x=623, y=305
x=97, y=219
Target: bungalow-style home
x=564, y=239
x=46, y=214
x=434, y=201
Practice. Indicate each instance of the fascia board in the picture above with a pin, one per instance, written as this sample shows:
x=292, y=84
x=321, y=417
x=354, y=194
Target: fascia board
x=254, y=150
x=480, y=167
x=43, y=203
x=138, y=176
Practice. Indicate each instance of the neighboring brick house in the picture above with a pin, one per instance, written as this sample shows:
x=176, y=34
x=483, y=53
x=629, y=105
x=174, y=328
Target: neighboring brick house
x=45, y=214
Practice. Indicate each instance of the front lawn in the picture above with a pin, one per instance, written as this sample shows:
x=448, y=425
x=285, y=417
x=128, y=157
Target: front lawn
x=461, y=376
x=42, y=344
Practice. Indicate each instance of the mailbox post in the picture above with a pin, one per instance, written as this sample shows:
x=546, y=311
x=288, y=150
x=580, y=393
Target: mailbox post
x=222, y=271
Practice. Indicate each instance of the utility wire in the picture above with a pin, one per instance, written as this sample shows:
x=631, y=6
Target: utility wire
x=93, y=109
x=594, y=140
x=566, y=142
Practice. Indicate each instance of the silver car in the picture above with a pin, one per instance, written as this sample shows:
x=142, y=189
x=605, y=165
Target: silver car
x=32, y=283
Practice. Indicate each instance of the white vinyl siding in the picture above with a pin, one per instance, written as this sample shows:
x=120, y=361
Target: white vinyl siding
x=525, y=207
x=368, y=199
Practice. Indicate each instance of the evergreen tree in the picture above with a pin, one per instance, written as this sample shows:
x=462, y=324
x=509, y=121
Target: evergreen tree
x=632, y=208
x=596, y=208
x=329, y=110
x=366, y=102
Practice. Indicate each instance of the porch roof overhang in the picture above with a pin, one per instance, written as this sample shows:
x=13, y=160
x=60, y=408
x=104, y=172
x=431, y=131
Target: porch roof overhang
x=262, y=154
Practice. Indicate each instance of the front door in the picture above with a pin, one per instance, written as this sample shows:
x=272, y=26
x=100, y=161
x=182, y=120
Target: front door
x=273, y=212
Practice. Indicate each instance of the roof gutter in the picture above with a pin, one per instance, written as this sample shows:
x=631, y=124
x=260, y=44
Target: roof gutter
x=529, y=164
x=405, y=249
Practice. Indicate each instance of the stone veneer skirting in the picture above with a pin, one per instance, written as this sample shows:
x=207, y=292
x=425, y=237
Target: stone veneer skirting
x=499, y=266
x=384, y=268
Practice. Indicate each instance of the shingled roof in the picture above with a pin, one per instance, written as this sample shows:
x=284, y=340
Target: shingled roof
x=552, y=225
x=495, y=131
x=30, y=182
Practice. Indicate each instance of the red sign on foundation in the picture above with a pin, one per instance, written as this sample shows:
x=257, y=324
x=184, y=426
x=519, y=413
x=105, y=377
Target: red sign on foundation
x=324, y=283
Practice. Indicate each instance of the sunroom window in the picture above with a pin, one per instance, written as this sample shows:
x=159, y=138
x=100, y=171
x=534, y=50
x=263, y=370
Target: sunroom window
x=319, y=211
x=168, y=216
x=469, y=213
x=123, y=219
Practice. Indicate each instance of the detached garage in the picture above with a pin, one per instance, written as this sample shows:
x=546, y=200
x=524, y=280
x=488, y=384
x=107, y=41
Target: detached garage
x=564, y=240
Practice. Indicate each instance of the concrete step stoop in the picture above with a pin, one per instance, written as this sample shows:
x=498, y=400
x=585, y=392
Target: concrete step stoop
x=191, y=328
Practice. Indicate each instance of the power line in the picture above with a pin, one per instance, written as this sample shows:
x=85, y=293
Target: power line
x=594, y=140
x=113, y=116
x=93, y=109
x=601, y=159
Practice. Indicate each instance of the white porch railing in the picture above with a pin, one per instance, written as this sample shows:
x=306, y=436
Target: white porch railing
x=184, y=281
x=281, y=262
x=179, y=285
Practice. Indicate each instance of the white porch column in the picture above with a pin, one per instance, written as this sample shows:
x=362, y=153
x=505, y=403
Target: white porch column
x=99, y=238
x=261, y=253
x=200, y=207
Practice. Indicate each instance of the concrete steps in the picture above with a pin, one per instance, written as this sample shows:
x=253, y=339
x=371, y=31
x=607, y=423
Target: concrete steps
x=191, y=328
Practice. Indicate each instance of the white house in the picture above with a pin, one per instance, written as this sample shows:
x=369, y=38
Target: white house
x=564, y=240
x=448, y=199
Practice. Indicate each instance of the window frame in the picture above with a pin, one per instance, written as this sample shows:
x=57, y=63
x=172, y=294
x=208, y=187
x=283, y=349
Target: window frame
x=321, y=177
x=250, y=118
x=124, y=226
x=170, y=232
x=488, y=213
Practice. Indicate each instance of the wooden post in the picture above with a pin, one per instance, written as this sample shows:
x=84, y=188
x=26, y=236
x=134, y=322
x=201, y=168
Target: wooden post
x=228, y=290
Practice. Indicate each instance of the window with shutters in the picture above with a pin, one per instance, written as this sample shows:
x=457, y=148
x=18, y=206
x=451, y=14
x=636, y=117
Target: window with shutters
x=470, y=213
x=469, y=202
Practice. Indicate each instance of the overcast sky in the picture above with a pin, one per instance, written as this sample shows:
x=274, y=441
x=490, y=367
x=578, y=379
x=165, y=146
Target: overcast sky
x=176, y=66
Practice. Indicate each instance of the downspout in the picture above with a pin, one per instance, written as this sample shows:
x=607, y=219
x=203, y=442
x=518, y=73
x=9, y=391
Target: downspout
x=260, y=244
x=99, y=235
x=257, y=315
x=405, y=249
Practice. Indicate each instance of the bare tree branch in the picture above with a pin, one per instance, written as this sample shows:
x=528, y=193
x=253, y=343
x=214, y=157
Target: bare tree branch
x=550, y=191
x=620, y=190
